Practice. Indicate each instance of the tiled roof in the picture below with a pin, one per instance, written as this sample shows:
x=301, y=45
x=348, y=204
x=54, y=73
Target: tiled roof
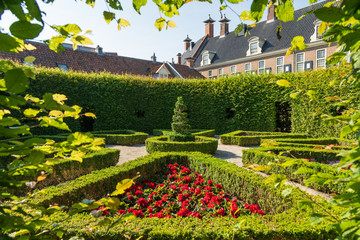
x=90, y=61
x=233, y=47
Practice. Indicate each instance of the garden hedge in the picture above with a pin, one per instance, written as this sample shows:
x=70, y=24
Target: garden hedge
x=122, y=137
x=196, y=132
x=201, y=144
x=252, y=138
x=335, y=143
x=265, y=155
x=284, y=219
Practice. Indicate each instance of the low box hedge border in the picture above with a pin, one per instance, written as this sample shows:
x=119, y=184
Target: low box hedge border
x=201, y=144
x=265, y=155
x=285, y=220
x=66, y=170
x=312, y=142
x=240, y=138
x=196, y=132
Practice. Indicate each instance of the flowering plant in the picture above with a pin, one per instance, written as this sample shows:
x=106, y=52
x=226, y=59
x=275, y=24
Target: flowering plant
x=179, y=192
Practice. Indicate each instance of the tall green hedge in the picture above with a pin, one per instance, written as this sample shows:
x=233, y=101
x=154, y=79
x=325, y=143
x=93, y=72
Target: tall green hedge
x=243, y=102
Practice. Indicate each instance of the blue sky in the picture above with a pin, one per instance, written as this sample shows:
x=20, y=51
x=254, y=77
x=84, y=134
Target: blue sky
x=141, y=39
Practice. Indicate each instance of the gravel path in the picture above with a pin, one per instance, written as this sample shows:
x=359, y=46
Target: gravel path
x=230, y=153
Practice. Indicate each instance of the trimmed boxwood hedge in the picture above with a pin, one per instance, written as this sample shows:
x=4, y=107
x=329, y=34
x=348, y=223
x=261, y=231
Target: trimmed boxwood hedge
x=265, y=155
x=284, y=219
x=252, y=138
x=311, y=143
x=196, y=132
x=66, y=170
x=201, y=144
x=122, y=137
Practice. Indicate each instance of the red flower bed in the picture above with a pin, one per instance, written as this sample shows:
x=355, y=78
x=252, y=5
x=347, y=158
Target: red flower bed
x=181, y=193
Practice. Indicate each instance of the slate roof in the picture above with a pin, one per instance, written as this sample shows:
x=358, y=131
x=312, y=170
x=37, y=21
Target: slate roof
x=88, y=60
x=233, y=47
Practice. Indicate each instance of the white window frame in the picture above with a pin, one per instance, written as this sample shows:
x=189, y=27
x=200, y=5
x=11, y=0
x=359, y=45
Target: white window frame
x=247, y=70
x=231, y=69
x=210, y=73
x=206, y=59
x=302, y=62
x=261, y=70
x=252, y=50
x=220, y=70
x=324, y=58
x=258, y=43
x=281, y=65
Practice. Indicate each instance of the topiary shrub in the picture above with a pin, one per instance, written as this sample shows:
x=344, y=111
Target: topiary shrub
x=180, y=126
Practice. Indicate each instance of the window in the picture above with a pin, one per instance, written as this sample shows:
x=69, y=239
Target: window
x=300, y=58
x=279, y=64
x=206, y=59
x=30, y=64
x=62, y=67
x=220, y=72
x=210, y=73
x=321, y=58
x=316, y=36
x=253, y=47
x=233, y=70
x=163, y=75
x=261, y=67
x=247, y=67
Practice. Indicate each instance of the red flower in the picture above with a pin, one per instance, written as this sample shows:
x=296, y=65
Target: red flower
x=164, y=198
x=211, y=205
x=221, y=212
x=207, y=188
x=158, y=203
x=183, y=212
x=196, y=214
x=151, y=185
x=130, y=197
x=254, y=208
x=121, y=212
x=185, y=170
x=185, y=203
x=138, y=193
x=210, y=182
x=160, y=185
x=260, y=212
x=218, y=186
x=173, y=187
x=176, y=165
x=150, y=210
x=198, y=191
x=246, y=206
x=159, y=215
x=138, y=213
x=187, y=179
x=142, y=202
x=168, y=216
x=104, y=211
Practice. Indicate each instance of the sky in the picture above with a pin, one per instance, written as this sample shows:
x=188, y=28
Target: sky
x=141, y=39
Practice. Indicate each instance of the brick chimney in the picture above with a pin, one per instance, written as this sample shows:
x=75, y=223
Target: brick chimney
x=189, y=62
x=224, y=26
x=187, y=42
x=178, y=58
x=209, y=27
x=271, y=13
x=153, y=58
x=99, y=50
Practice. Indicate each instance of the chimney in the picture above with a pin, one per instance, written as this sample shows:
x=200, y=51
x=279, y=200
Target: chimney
x=224, y=27
x=153, y=58
x=271, y=13
x=99, y=50
x=187, y=43
x=179, y=58
x=209, y=27
x=189, y=62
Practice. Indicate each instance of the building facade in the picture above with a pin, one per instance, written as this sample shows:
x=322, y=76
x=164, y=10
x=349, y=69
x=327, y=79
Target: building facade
x=258, y=49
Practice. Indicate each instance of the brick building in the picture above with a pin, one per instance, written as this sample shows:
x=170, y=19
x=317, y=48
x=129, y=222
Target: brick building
x=88, y=59
x=260, y=50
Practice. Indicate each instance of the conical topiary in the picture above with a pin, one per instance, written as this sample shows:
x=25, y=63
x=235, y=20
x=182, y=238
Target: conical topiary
x=180, y=126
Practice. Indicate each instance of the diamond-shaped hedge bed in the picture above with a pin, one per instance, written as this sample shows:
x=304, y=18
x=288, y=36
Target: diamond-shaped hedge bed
x=283, y=219
x=251, y=138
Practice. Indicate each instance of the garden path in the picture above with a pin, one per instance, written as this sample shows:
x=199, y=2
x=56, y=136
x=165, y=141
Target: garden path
x=230, y=153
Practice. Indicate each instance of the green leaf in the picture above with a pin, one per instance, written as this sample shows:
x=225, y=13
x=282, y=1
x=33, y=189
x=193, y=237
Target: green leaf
x=312, y=1
x=122, y=186
x=294, y=95
x=33, y=9
x=30, y=112
x=286, y=192
x=305, y=203
x=114, y=203
x=9, y=121
x=108, y=16
x=312, y=94
x=160, y=23
x=316, y=218
x=8, y=43
x=335, y=58
x=246, y=16
x=329, y=14
x=223, y=8
x=257, y=9
x=238, y=29
x=71, y=29
x=47, y=122
x=283, y=83
x=115, y=4
x=171, y=24
x=77, y=139
x=16, y=80
x=79, y=39
x=285, y=12
x=137, y=4
x=122, y=23
x=25, y=30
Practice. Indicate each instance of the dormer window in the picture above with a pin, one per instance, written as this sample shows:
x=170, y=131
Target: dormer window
x=316, y=36
x=255, y=46
x=62, y=67
x=207, y=56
